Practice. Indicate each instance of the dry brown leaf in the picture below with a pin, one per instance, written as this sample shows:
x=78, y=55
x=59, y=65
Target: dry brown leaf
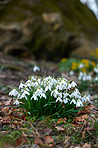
x=1, y=103
x=86, y=145
x=6, y=120
x=49, y=140
x=60, y=120
x=18, y=113
x=21, y=140
x=9, y=102
x=80, y=119
x=60, y=129
x=5, y=109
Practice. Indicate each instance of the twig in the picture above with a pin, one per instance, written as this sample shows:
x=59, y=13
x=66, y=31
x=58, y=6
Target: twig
x=35, y=129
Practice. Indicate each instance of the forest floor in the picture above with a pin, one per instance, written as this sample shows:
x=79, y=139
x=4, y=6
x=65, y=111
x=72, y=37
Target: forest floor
x=16, y=131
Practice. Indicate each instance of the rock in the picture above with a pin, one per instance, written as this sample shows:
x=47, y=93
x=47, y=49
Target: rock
x=47, y=29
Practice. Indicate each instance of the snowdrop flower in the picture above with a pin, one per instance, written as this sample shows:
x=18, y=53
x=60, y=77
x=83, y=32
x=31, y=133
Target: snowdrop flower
x=88, y=98
x=21, y=85
x=89, y=78
x=48, y=88
x=69, y=86
x=14, y=93
x=83, y=99
x=24, y=94
x=32, y=78
x=16, y=102
x=79, y=103
x=36, y=68
x=44, y=96
x=81, y=66
x=96, y=79
x=75, y=94
x=73, y=101
x=84, y=78
x=71, y=73
x=34, y=96
x=73, y=84
x=96, y=70
x=66, y=100
x=56, y=94
x=59, y=99
x=65, y=95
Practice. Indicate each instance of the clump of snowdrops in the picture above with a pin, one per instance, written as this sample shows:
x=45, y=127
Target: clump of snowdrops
x=49, y=96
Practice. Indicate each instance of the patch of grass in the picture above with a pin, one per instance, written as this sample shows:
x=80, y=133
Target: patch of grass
x=10, y=138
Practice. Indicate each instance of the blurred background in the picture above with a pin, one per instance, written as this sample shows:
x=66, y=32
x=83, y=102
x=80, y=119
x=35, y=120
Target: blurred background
x=48, y=29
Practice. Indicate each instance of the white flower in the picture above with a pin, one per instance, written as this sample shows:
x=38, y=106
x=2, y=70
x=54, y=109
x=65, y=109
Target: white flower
x=69, y=86
x=65, y=100
x=84, y=78
x=36, y=68
x=79, y=103
x=59, y=99
x=16, y=102
x=32, y=78
x=14, y=92
x=34, y=96
x=73, y=84
x=96, y=79
x=48, y=88
x=96, y=70
x=44, y=96
x=21, y=85
x=75, y=94
x=81, y=66
x=88, y=98
x=71, y=73
x=24, y=94
x=65, y=95
x=89, y=78
x=73, y=101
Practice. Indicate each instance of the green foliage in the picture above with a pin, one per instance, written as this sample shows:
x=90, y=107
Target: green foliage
x=10, y=138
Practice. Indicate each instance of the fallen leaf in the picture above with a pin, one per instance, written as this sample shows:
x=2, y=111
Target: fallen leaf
x=49, y=140
x=5, y=109
x=62, y=120
x=60, y=129
x=21, y=140
x=6, y=120
x=80, y=119
x=86, y=145
x=9, y=102
x=18, y=113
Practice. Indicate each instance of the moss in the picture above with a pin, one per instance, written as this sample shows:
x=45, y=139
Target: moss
x=10, y=138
